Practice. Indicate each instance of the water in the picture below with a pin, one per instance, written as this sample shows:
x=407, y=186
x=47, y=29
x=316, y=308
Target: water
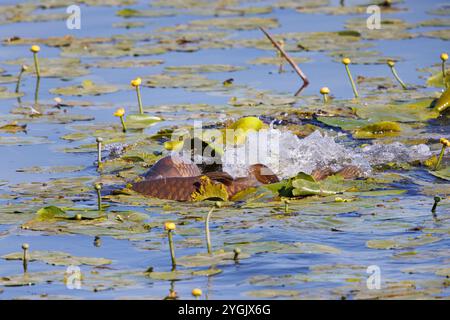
x=372, y=217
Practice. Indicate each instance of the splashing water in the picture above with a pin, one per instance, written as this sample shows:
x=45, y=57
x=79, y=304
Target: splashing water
x=396, y=152
x=291, y=155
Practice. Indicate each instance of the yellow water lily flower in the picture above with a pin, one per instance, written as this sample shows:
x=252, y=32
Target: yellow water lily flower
x=346, y=61
x=391, y=63
x=444, y=56
x=196, y=292
x=119, y=112
x=170, y=226
x=173, y=145
x=35, y=48
x=248, y=123
x=136, y=82
x=324, y=90
x=445, y=142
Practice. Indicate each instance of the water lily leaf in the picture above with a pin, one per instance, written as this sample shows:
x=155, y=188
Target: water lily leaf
x=64, y=68
x=51, y=212
x=171, y=275
x=58, y=258
x=236, y=23
x=13, y=127
x=204, y=68
x=443, y=102
x=442, y=173
x=86, y=88
x=55, y=169
x=405, y=112
x=191, y=81
x=20, y=141
x=377, y=130
x=436, y=79
x=401, y=242
x=277, y=60
x=391, y=29
x=205, y=259
x=108, y=63
x=209, y=190
x=135, y=121
x=5, y=94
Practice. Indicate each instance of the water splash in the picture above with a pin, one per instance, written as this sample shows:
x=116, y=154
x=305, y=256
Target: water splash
x=294, y=155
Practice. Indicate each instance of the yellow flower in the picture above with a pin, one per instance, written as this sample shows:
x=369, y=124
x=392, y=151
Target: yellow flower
x=324, y=90
x=119, y=112
x=35, y=49
x=445, y=142
x=444, y=56
x=173, y=145
x=391, y=63
x=196, y=292
x=24, y=67
x=346, y=61
x=169, y=226
x=136, y=82
x=25, y=246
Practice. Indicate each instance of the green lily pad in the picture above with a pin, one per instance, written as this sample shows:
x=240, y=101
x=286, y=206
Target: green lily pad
x=442, y=173
x=87, y=88
x=401, y=242
x=57, y=258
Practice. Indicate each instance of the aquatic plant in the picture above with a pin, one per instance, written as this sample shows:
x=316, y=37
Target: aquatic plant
x=98, y=188
x=280, y=56
x=236, y=251
x=19, y=77
x=443, y=102
x=207, y=233
x=121, y=113
x=444, y=58
x=290, y=60
x=346, y=62
x=391, y=64
x=196, y=292
x=436, y=199
x=136, y=83
x=25, y=257
x=325, y=91
x=35, y=49
x=170, y=228
x=99, y=151
x=445, y=143
x=286, y=205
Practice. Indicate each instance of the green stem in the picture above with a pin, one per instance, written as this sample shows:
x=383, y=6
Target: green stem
x=36, y=92
x=25, y=260
x=124, y=128
x=444, y=74
x=355, y=92
x=325, y=98
x=172, y=249
x=138, y=92
x=99, y=156
x=394, y=72
x=441, y=155
x=208, y=236
x=19, y=78
x=99, y=199
x=36, y=65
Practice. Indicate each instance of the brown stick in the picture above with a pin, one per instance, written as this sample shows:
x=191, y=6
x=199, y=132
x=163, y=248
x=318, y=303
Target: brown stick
x=288, y=59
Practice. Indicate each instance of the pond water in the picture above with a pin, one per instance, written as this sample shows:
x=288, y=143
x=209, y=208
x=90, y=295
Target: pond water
x=320, y=248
